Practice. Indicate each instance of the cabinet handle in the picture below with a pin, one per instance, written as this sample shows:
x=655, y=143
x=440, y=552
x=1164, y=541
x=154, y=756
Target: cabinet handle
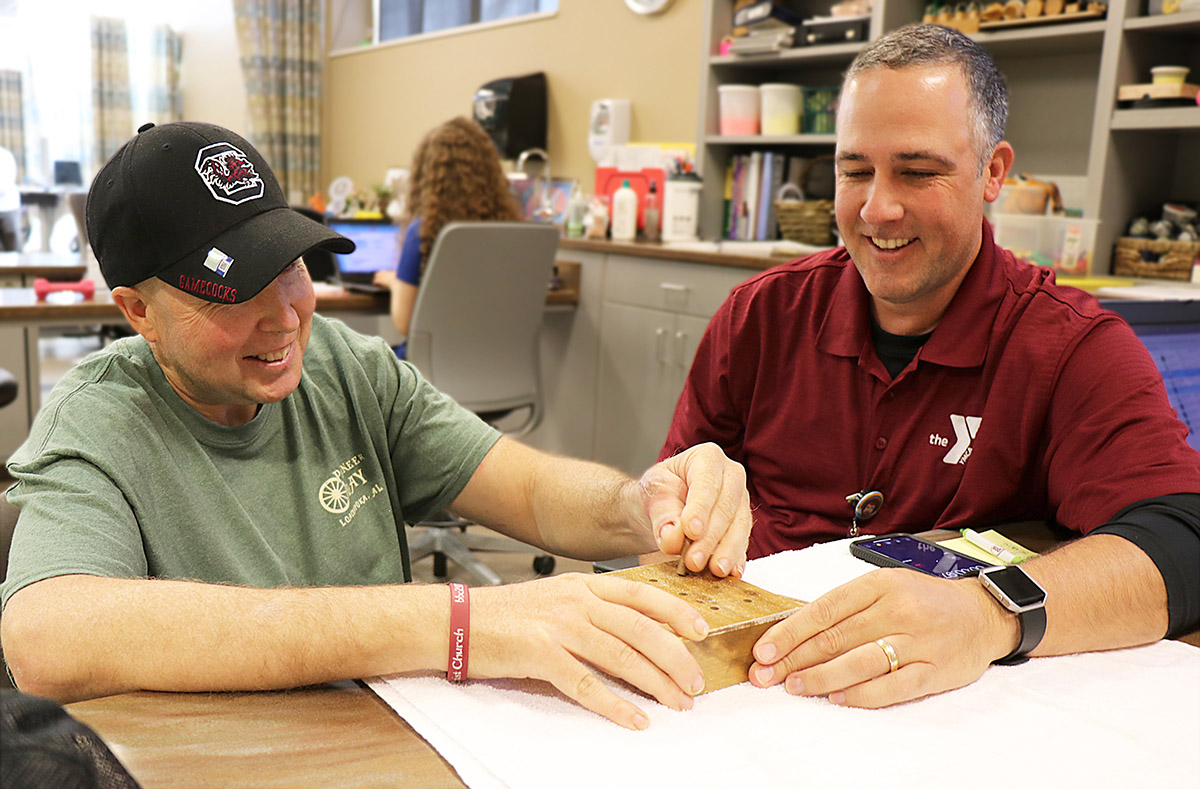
x=660, y=335
x=671, y=286
x=680, y=347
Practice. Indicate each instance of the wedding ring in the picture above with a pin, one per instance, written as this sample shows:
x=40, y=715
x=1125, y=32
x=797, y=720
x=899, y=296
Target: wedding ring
x=890, y=651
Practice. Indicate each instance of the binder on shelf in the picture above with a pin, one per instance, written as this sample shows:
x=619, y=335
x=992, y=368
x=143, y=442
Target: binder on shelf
x=739, y=175
x=727, y=206
x=753, y=177
x=771, y=179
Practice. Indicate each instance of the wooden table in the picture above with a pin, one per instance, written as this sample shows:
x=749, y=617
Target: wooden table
x=20, y=269
x=340, y=734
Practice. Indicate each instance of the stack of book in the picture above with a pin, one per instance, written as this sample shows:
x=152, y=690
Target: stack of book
x=752, y=182
x=764, y=37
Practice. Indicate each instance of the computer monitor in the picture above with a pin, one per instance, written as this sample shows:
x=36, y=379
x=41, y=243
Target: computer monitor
x=1170, y=330
x=67, y=173
x=377, y=248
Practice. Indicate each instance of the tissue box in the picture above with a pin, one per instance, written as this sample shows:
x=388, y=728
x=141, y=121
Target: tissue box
x=1066, y=243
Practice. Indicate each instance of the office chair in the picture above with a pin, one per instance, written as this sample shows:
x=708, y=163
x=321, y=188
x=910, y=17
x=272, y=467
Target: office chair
x=8, y=523
x=8, y=387
x=474, y=335
x=78, y=203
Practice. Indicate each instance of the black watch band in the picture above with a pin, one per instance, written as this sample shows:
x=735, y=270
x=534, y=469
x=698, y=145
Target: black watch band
x=1033, y=627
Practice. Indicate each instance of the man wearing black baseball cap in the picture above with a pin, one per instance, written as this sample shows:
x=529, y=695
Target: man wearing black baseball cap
x=220, y=502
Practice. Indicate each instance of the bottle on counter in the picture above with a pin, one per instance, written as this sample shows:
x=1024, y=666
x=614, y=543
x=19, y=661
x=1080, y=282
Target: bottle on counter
x=577, y=208
x=624, y=213
x=595, y=224
x=650, y=214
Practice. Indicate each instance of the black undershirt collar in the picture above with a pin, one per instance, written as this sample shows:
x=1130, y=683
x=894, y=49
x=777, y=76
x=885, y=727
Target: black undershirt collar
x=896, y=350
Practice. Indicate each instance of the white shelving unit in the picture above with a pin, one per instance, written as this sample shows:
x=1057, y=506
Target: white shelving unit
x=1063, y=115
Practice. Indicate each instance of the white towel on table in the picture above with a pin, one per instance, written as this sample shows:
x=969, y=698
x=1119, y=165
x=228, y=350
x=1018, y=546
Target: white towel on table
x=1123, y=718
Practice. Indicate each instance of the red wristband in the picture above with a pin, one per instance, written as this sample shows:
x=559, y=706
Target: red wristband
x=460, y=633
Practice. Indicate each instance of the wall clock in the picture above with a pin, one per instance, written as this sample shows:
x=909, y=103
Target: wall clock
x=647, y=6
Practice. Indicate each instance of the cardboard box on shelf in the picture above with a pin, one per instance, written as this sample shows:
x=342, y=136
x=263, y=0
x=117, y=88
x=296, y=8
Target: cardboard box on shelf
x=1022, y=199
x=1171, y=6
x=1066, y=243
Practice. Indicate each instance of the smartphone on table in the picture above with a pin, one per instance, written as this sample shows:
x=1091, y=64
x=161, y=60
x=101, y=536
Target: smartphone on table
x=915, y=553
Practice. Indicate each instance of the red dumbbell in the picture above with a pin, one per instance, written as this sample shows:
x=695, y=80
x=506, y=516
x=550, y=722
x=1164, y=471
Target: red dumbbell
x=42, y=286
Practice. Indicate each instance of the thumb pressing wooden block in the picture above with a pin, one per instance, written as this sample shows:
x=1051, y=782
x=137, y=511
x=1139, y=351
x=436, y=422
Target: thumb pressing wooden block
x=738, y=613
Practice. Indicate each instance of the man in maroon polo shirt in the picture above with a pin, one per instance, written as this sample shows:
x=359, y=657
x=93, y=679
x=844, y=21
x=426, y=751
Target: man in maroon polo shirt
x=924, y=362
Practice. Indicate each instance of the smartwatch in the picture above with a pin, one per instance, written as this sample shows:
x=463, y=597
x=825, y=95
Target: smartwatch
x=1020, y=594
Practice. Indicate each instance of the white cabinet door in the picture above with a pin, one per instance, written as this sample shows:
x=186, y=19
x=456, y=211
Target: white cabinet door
x=688, y=331
x=636, y=388
x=644, y=363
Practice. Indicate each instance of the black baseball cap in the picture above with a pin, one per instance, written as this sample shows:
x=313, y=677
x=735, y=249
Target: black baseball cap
x=196, y=206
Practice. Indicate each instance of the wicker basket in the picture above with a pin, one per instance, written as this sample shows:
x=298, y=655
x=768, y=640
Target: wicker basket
x=1144, y=257
x=804, y=221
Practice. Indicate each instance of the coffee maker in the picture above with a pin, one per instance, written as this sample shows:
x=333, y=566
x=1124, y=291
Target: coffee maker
x=512, y=111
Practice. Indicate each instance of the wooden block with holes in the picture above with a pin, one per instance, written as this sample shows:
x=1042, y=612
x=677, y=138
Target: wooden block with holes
x=738, y=613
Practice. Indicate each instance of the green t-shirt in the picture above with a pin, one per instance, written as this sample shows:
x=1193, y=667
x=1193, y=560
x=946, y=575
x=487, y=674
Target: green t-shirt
x=121, y=478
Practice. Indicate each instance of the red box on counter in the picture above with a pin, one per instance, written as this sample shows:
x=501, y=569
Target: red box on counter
x=609, y=180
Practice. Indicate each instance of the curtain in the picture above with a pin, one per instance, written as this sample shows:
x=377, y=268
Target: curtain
x=12, y=118
x=165, y=102
x=280, y=43
x=112, y=111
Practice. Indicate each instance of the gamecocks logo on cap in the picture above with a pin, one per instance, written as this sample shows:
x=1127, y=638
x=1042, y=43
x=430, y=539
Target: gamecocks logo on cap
x=228, y=174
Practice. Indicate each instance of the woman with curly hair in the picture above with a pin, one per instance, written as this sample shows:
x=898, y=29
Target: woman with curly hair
x=456, y=177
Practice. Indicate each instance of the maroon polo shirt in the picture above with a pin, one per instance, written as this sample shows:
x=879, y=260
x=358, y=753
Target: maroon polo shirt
x=1028, y=401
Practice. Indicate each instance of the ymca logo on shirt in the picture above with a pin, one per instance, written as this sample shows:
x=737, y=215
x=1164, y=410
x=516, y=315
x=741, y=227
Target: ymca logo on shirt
x=965, y=430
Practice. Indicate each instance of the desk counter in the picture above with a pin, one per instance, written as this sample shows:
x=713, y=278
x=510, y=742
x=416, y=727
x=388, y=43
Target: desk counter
x=22, y=317
x=22, y=305
x=20, y=269
x=658, y=251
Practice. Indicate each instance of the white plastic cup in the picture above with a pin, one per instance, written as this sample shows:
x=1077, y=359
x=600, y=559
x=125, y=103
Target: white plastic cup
x=780, y=108
x=739, y=109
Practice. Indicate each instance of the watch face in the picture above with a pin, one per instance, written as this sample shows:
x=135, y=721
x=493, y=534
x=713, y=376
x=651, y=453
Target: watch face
x=1016, y=585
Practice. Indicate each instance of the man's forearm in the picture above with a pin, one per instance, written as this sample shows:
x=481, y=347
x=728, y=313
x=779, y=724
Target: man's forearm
x=569, y=507
x=597, y=508
x=1102, y=592
x=118, y=635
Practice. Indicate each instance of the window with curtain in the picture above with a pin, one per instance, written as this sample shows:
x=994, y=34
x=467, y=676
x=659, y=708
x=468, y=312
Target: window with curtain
x=404, y=18
x=51, y=46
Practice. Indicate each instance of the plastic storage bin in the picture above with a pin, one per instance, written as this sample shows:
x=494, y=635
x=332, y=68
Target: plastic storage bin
x=820, y=110
x=780, y=108
x=739, y=109
x=1066, y=243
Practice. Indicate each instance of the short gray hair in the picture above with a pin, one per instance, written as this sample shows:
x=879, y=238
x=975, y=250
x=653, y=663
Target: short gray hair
x=930, y=45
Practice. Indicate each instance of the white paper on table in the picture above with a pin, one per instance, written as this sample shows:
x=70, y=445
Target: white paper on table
x=1123, y=718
